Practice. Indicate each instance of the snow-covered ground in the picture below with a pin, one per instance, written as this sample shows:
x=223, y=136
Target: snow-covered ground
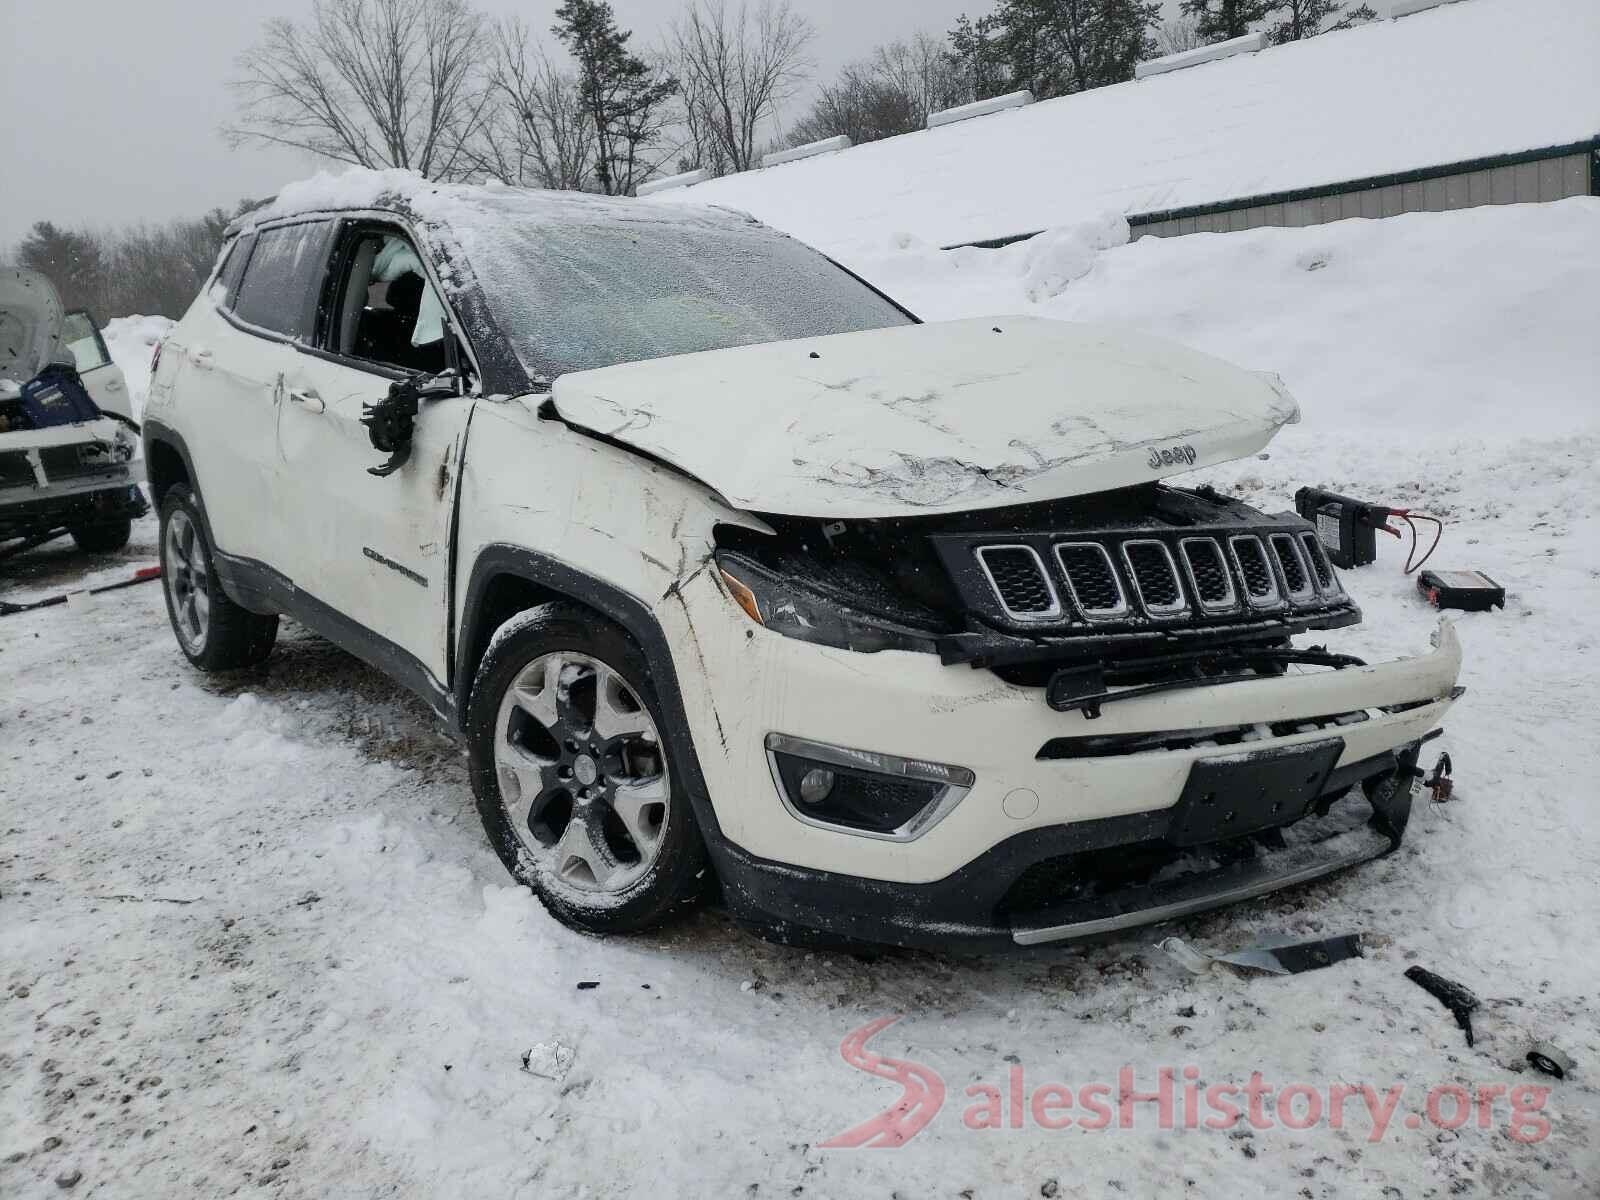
x=252, y=938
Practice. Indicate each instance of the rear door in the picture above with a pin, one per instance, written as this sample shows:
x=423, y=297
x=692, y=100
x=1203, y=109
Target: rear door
x=102, y=377
x=376, y=549
x=236, y=347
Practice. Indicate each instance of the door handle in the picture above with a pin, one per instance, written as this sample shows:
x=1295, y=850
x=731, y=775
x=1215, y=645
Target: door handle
x=308, y=398
x=200, y=358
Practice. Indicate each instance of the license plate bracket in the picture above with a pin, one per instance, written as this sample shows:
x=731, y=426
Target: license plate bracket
x=1229, y=797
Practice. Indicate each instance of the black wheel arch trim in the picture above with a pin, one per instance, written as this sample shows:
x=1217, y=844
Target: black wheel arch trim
x=622, y=608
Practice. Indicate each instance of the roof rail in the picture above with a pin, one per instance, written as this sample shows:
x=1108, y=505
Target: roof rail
x=825, y=146
x=1404, y=8
x=981, y=108
x=687, y=179
x=1248, y=44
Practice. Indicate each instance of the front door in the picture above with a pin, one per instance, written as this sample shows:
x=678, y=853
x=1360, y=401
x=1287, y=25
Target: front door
x=376, y=549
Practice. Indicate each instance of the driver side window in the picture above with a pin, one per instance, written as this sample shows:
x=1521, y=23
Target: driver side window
x=387, y=312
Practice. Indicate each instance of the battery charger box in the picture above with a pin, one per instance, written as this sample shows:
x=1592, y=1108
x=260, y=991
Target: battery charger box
x=1346, y=528
x=1469, y=591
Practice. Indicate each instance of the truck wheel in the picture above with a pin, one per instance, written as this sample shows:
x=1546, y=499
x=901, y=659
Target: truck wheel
x=214, y=633
x=574, y=784
x=103, y=536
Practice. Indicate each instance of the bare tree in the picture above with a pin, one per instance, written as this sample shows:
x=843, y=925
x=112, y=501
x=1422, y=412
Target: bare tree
x=536, y=131
x=375, y=83
x=737, y=68
x=890, y=92
x=1178, y=35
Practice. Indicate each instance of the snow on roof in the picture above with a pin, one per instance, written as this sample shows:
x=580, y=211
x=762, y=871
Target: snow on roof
x=1463, y=82
x=465, y=206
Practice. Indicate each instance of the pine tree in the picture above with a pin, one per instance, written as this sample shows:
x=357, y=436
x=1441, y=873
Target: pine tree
x=1055, y=47
x=73, y=261
x=621, y=93
x=1306, y=18
x=978, y=58
x=1219, y=20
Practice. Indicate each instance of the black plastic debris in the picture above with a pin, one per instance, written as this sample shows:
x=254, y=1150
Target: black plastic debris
x=1273, y=957
x=1454, y=996
x=585, y=984
x=1550, y=1060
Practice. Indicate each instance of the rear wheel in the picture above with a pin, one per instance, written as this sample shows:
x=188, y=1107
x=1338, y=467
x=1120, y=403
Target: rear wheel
x=103, y=536
x=214, y=633
x=573, y=781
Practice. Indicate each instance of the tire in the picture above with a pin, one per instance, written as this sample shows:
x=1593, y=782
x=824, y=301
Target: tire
x=576, y=790
x=214, y=633
x=103, y=537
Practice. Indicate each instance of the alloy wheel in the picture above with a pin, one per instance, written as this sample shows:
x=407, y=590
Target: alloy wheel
x=582, y=774
x=186, y=572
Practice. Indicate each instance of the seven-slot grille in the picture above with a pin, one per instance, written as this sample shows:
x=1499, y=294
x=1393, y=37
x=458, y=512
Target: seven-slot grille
x=1317, y=556
x=1295, y=579
x=1137, y=577
x=1155, y=577
x=1092, y=580
x=1017, y=576
x=1208, y=573
x=1260, y=583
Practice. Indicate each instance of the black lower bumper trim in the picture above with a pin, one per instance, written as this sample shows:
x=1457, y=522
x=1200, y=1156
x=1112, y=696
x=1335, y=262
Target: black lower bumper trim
x=970, y=911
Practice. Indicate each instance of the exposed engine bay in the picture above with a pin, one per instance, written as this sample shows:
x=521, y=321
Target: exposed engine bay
x=1138, y=586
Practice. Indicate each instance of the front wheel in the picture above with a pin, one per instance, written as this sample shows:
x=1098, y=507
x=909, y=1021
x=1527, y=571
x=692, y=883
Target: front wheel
x=214, y=633
x=573, y=780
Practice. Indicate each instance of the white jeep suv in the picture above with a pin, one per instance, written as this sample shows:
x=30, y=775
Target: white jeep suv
x=736, y=577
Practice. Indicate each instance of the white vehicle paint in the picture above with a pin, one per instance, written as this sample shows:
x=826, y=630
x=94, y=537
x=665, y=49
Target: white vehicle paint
x=800, y=536
x=945, y=417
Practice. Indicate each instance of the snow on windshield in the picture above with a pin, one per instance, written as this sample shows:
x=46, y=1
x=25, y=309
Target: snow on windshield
x=573, y=297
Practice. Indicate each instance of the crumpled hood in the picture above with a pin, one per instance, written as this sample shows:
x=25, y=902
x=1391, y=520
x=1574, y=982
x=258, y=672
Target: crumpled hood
x=942, y=417
x=30, y=324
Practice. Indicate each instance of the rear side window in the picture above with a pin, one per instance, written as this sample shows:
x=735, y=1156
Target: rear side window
x=234, y=257
x=281, y=279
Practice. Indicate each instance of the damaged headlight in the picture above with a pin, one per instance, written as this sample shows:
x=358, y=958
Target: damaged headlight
x=785, y=604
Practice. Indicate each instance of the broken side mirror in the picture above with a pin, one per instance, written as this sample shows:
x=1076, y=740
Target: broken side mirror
x=390, y=421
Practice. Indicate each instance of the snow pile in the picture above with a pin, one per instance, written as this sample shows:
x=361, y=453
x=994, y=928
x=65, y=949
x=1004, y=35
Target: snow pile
x=1462, y=82
x=1472, y=323
x=132, y=342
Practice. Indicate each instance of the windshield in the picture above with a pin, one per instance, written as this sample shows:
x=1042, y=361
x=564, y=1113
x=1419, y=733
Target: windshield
x=571, y=297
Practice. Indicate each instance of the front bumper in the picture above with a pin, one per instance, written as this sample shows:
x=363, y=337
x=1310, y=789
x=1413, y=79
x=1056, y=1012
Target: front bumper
x=1030, y=805
x=46, y=486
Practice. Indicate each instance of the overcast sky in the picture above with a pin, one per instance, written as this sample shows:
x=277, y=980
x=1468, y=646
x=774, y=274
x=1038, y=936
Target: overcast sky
x=112, y=107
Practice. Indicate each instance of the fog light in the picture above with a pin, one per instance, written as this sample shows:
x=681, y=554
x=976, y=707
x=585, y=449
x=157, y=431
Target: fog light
x=861, y=791
x=815, y=785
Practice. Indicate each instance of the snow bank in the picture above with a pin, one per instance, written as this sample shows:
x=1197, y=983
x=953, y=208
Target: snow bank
x=132, y=341
x=1465, y=81
x=1479, y=322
